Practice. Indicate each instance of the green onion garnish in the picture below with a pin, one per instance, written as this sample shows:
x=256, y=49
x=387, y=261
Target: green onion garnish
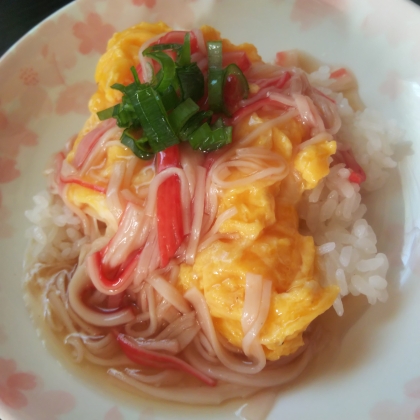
x=182, y=113
x=191, y=81
x=154, y=119
x=184, y=53
x=208, y=140
x=167, y=73
x=216, y=75
x=162, y=113
x=139, y=146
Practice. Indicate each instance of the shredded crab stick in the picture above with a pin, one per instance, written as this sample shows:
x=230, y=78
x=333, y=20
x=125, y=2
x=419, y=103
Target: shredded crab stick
x=177, y=37
x=89, y=140
x=168, y=209
x=240, y=58
x=62, y=179
x=277, y=82
x=141, y=356
x=357, y=175
x=255, y=106
x=82, y=183
x=339, y=73
x=110, y=285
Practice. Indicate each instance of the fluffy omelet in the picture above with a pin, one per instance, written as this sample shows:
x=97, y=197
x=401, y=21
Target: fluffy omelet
x=266, y=223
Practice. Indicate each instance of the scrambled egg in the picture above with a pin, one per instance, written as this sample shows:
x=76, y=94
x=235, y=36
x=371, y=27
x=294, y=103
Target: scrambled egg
x=267, y=223
x=270, y=245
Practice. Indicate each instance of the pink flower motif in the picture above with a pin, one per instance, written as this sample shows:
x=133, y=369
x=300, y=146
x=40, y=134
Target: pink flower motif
x=148, y=3
x=14, y=134
x=392, y=86
x=412, y=388
x=45, y=58
x=93, y=34
x=311, y=13
x=390, y=410
x=58, y=32
x=8, y=170
x=117, y=12
x=409, y=409
x=387, y=21
x=113, y=414
x=12, y=384
x=175, y=13
x=74, y=98
x=29, y=76
x=50, y=405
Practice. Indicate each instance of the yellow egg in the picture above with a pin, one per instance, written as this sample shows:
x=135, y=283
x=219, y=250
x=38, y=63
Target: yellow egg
x=312, y=162
x=91, y=202
x=114, y=66
x=269, y=244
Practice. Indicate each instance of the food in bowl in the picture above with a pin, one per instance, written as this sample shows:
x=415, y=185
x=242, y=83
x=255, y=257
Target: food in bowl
x=207, y=213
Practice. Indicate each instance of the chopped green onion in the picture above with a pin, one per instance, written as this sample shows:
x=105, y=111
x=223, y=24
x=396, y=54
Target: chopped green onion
x=200, y=136
x=216, y=75
x=123, y=113
x=144, y=107
x=215, y=57
x=153, y=118
x=167, y=73
x=191, y=80
x=170, y=98
x=221, y=137
x=136, y=76
x=162, y=47
x=107, y=113
x=138, y=146
x=184, y=53
x=193, y=124
x=241, y=88
x=182, y=113
x=118, y=86
x=208, y=140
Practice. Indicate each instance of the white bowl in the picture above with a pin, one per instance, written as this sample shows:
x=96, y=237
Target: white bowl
x=45, y=81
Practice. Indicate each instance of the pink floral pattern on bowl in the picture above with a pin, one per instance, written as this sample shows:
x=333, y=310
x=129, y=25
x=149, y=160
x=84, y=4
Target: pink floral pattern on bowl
x=43, y=84
x=13, y=384
x=93, y=34
x=51, y=405
x=381, y=21
x=75, y=98
x=313, y=13
x=408, y=409
x=19, y=390
x=178, y=13
x=392, y=86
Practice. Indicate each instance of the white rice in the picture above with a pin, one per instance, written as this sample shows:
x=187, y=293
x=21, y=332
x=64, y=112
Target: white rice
x=333, y=211
x=56, y=234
